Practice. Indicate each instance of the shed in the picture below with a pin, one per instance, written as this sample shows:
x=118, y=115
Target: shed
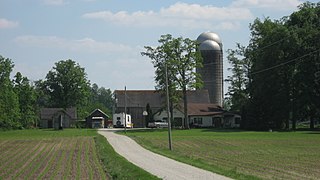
x=97, y=119
x=57, y=117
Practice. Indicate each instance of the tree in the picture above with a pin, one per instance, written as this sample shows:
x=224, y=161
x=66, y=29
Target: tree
x=27, y=100
x=101, y=98
x=67, y=85
x=9, y=104
x=149, y=117
x=282, y=77
x=239, y=80
x=181, y=58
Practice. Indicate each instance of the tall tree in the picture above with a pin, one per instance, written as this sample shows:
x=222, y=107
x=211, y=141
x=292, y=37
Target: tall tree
x=9, y=103
x=67, y=85
x=27, y=100
x=181, y=57
x=282, y=79
x=239, y=79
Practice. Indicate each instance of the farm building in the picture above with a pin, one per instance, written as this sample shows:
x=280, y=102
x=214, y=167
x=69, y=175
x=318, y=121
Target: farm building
x=57, y=117
x=202, y=115
x=137, y=101
x=97, y=119
x=201, y=112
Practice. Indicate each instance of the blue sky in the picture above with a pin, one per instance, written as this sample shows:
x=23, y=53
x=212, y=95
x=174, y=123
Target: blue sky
x=106, y=37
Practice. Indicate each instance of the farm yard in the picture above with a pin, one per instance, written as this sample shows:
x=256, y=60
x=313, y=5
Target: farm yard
x=47, y=154
x=240, y=154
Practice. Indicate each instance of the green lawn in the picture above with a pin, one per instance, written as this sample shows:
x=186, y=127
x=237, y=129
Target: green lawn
x=66, y=154
x=240, y=154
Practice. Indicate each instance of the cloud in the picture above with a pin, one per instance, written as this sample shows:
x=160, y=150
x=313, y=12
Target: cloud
x=80, y=45
x=177, y=15
x=270, y=4
x=54, y=2
x=5, y=24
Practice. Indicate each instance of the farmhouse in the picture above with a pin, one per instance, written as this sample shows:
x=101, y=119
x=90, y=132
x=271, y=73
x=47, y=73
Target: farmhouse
x=201, y=112
x=202, y=115
x=97, y=119
x=57, y=117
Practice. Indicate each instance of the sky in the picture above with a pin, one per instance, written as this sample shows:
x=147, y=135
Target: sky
x=106, y=37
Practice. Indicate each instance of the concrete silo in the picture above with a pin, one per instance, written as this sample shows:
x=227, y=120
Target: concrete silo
x=210, y=46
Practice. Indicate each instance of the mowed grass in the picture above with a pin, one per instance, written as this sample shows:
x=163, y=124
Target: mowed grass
x=67, y=154
x=240, y=154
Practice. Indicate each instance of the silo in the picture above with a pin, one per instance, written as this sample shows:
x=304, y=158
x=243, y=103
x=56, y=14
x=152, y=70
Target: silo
x=210, y=46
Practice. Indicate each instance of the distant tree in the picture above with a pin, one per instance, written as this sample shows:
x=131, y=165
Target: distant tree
x=67, y=85
x=9, y=103
x=27, y=100
x=239, y=80
x=101, y=98
x=181, y=57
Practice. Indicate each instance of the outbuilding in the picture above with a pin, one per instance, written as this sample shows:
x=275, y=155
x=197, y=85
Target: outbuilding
x=57, y=118
x=97, y=119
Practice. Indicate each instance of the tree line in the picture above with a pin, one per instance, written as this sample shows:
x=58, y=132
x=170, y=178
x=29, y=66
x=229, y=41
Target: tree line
x=275, y=80
x=65, y=85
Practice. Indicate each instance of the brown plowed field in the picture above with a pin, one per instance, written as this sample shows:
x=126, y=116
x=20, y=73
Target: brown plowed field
x=50, y=158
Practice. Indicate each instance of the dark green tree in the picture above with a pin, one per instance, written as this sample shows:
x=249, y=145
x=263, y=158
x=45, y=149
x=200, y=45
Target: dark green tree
x=67, y=85
x=282, y=79
x=27, y=100
x=181, y=57
x=9, y=103
x=238, y=80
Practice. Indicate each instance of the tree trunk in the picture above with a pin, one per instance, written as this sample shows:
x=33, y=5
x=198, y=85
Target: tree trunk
x=171, y=113
x=312, y=122
x=185, y=108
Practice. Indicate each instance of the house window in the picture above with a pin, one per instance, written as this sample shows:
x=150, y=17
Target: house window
x=197, y=120
x=237, y=120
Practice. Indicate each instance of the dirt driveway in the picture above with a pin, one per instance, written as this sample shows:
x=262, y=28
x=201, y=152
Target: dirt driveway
x=156, y=164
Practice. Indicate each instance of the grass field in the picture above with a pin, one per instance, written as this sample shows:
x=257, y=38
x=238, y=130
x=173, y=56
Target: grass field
x=241, y=154
x=67, y=154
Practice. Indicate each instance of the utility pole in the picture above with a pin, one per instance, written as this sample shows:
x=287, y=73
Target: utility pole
x=168, y=110
x=125, y=109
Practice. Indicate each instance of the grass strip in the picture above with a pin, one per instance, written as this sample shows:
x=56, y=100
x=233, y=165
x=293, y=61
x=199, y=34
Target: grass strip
x=117, y=166
x=178, y=156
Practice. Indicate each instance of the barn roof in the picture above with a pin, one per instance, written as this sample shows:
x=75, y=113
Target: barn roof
x=204, y=109
x=98, y=112
x=48, y=113
x=140, y=98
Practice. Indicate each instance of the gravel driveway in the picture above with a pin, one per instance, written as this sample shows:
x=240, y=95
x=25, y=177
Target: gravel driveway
x=156, y=164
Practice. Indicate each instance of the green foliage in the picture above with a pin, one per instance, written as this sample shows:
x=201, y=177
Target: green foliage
x=278, y=83
x=27, y=101
x=181, y=57
x=67, y=85
x=9, y=102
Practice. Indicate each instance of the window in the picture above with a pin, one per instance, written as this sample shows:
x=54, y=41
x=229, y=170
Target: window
x=238, y=120
x=197, y=120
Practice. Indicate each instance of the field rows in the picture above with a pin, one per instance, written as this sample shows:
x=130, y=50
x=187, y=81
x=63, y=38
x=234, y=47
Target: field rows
x=271, y=156
x=54, y=158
